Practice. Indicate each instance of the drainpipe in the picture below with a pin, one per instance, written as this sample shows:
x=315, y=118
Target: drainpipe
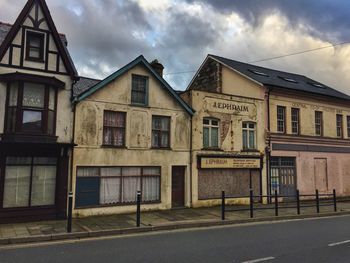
x=191, y=156
x=267, y=149
x=73, y=140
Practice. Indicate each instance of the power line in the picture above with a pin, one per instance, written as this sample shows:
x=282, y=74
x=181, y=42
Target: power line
x=272, y=58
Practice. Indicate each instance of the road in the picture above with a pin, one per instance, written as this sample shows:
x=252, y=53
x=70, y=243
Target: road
x=313, y=240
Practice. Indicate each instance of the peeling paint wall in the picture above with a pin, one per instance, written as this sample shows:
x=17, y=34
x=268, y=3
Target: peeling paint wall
x=116, y=96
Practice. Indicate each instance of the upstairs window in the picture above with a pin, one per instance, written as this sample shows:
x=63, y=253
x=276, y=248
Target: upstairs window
x=339, y=126
x=160, y=132
x=249, y=135
x=31, y=108
x=139, y=90
x=281, y=119
x=295, y=120
x=210, y=133
x=114, y=128
x=318, y=123
x=35, y=46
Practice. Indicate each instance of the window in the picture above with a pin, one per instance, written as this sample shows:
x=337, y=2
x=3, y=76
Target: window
x=160, y=132
x=35, y=46
x=210, y=133
x=288, y=79
x=319, y=123
x=114, y=128
x=281, y=119
x=348, y=125
x=31, y=108
x=139, y=90
x=29, y=182
x=339, y=126
x=116, y=185
x=295, y=120
x=249, y=135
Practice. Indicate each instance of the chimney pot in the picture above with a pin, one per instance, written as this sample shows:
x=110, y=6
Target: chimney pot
x=158, y=67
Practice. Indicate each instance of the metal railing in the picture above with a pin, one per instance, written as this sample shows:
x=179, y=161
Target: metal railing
x=316, y=200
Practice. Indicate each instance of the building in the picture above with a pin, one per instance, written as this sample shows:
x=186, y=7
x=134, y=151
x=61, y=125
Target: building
x=132, y=132
x=305, y=128
x=36, y=76
x=228, y=133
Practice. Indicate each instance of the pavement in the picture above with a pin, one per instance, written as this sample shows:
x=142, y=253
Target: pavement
x=310, y=240
x=151, y=221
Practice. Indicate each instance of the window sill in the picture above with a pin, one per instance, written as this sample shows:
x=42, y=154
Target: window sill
x=35, y=60
x=139, y=105
x=212, y=149
x=113, y=146
x=117, y=205
x=162, y=148
x=250, y=150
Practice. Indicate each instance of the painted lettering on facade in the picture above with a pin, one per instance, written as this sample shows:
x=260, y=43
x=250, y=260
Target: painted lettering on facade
x=316, y=107
x=237, y=163
x=230, y=107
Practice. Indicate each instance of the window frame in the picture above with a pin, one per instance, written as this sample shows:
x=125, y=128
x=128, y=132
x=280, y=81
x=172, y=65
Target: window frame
x=18, y=124
x=281, y=121
x=340, y=129
x=297, y=122
x=210, y=126
x=320, y=124
x=348, y=125
x=146, y=78
x=121, y=176
x=41, y=48
x=116, y=128
x=160, y=132
x=248, y=130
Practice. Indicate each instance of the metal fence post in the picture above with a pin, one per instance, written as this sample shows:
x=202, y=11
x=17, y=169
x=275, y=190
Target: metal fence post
x=70, y=212
x=251, y=203
x=276, y=203
x=138, y=209
x=317, y=201
x=223, y=205
x=298, y=202
x=334, y=200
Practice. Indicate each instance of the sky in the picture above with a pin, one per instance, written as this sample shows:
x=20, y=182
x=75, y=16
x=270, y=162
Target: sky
x=104, y=35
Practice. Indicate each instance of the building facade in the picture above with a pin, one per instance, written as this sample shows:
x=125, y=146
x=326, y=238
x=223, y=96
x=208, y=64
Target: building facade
x=36, y=76
x=228, y=134
x=132, y=132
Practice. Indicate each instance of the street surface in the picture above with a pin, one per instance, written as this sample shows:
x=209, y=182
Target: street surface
x=314, y=240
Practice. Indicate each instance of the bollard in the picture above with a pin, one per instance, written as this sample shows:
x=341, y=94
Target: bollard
x=138, y=209
x=70, y=212
x=251, y=203
x=334, y=200
x=276, y=203
x=223, y=205
x=298, y=202
x=317, y=202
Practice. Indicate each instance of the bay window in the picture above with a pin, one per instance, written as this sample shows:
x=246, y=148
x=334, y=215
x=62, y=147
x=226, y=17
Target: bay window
x=31, y=108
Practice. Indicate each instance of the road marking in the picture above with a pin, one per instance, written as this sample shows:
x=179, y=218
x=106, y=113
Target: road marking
x=339, y=243
x=259, y=260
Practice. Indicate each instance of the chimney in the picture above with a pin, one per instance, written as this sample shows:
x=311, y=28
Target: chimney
x=158, y=67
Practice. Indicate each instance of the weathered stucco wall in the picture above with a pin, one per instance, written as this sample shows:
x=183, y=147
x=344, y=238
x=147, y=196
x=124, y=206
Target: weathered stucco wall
x=116, y=96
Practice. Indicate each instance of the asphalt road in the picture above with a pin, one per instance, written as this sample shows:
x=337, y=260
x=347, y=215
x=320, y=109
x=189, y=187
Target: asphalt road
x=315, y=240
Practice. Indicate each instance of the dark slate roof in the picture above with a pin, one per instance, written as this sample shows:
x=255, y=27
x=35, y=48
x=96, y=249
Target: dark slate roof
x=83, y=84
x=280, y=79
x=5, y=28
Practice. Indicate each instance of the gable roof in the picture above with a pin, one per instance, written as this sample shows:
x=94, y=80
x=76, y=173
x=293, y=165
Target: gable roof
x=139, y=60
x=83, y=84
x=8, y=33
x=280, y=79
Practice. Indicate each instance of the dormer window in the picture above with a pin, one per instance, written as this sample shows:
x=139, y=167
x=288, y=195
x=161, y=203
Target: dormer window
x=35, y=46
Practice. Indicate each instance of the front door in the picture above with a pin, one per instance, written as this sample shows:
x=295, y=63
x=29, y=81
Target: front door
x=283, y=175
x=178, y=186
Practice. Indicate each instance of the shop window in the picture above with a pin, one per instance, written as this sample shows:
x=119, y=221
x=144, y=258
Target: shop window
x=116, y=185
x=35, y=46
x=210, y=133
x=31, y=108
x=114, y=128
x=281, y=119
x=319, y=123
x=348, y=125
x=295, y=113
x=160, y=132
x=29, y=182
x=339, y=126
x=249, y=135
x=139, y=90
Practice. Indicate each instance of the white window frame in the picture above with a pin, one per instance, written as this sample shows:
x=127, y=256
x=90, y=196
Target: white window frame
x=245, y=127
x=210, y=126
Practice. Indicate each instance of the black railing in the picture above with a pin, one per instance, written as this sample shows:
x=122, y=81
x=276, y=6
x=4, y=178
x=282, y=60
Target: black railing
x=316, y=200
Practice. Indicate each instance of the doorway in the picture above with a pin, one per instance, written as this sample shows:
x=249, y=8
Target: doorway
x=178, y=186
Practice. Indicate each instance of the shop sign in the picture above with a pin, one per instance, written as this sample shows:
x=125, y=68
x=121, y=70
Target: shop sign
x=238, y=163
x=230, y=107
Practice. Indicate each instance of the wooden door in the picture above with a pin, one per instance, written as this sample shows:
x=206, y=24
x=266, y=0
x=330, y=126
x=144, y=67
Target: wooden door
x=321, y=180
x=178, y=186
